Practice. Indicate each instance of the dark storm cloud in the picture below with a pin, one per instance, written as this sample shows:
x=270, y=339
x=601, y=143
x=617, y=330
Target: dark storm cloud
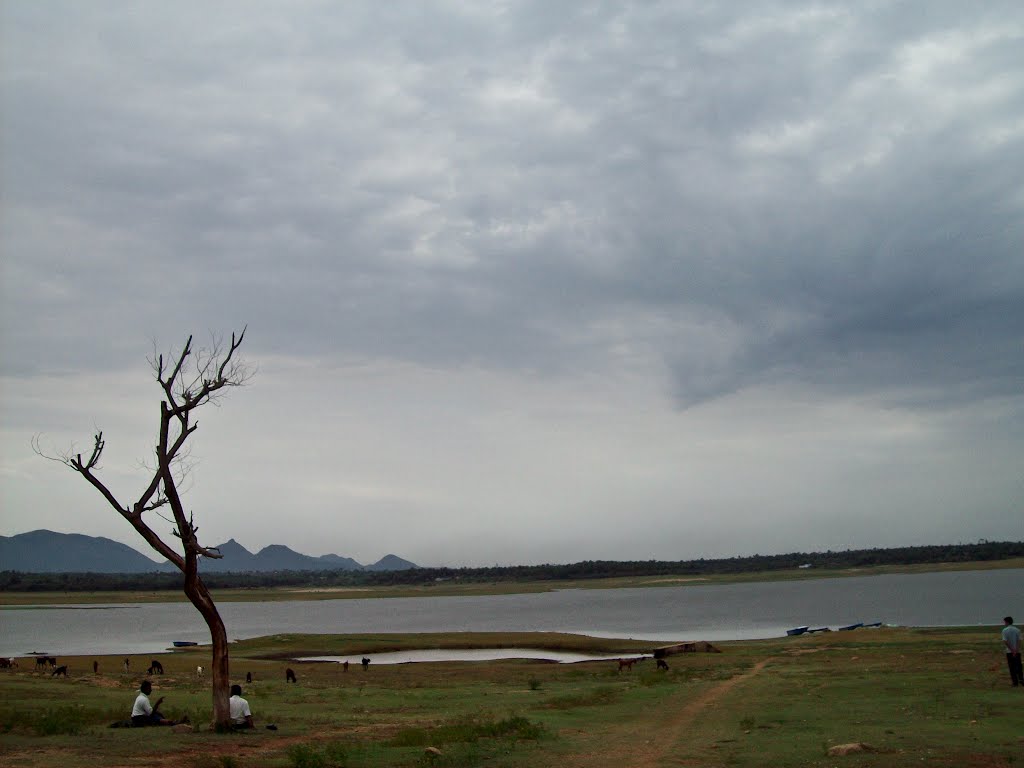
x=810, y=192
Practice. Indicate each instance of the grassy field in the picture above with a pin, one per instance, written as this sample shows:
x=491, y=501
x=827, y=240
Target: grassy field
x=450, y=588
x=915, y=697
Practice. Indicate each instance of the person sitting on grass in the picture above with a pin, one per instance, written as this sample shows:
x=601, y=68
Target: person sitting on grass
x=241, y=715
x=144, y=713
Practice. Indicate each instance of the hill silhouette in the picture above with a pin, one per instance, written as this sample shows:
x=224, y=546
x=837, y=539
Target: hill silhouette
x=45, y=551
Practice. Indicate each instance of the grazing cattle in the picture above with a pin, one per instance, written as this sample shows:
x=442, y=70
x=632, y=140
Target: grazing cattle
x=199, y=671
x=366, y=663
x=662, y=664
x=60, y=672
x=248, y=677
x=45, y=661
x=40, y=662
x=155, y=668
x=626, y=664
x=289, y=676
x=7, y=663
x=344, y=666
x=95, y=667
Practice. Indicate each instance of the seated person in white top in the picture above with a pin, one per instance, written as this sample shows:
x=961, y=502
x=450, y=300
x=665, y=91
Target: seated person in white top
x=144, y=713
x=241, y=716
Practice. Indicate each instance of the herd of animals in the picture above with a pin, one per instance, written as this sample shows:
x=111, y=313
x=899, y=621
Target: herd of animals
x=49, y=663
x=45, y=663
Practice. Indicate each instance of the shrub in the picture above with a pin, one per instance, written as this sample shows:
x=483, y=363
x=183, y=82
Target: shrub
x=223, y=761
x=469, y=730
x=46, y=722
x=336, y=753
x=305, y=756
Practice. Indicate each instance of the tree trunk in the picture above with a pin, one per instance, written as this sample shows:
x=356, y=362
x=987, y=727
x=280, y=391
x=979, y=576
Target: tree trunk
x=219, y=664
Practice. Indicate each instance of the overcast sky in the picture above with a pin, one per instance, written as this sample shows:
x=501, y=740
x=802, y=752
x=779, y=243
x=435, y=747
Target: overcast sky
x=524, y=282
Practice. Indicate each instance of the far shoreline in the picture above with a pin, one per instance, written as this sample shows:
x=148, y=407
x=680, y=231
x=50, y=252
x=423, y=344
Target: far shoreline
x=13, y=599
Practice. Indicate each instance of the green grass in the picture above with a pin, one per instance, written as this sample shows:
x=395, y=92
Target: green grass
x=470, y=728
x=918, y=697
x=911, y=695
x=51, y=721
x=308, y=756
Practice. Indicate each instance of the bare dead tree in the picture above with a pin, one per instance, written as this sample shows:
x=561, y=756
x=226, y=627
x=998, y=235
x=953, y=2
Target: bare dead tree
x=189, y=381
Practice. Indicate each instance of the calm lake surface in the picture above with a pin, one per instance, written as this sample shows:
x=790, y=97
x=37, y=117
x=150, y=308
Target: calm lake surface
x=669, y=614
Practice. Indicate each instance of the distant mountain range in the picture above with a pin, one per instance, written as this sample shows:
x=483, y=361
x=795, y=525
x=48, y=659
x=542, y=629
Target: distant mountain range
x=278, y=557
x=50, y=552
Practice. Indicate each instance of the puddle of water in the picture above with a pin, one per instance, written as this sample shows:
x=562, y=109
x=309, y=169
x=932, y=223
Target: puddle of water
x=471, y=654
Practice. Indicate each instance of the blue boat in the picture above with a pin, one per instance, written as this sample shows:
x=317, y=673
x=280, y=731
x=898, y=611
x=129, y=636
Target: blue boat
x=848, y=627
x=797, y=631
x=183, y=643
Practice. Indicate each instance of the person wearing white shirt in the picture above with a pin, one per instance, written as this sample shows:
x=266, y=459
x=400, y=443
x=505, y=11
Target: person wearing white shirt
x=145, y=713
x=1012, y=642
x=241, y=715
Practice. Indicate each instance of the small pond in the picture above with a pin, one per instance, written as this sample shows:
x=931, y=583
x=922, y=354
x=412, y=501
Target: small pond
x=470, y=654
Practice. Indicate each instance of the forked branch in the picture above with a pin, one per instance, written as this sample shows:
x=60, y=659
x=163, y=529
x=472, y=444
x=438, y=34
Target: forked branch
x=184, y=396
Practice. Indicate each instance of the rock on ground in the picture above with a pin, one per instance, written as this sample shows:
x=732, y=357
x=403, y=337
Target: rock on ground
x=849, y=749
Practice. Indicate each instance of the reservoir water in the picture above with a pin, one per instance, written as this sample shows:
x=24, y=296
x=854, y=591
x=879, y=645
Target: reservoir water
x=669, y=614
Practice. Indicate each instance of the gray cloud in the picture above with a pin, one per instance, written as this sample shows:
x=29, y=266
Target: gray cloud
x=812, y=197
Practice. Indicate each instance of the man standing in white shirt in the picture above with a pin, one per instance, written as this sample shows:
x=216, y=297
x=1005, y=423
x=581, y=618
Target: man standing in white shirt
x=1012, y=641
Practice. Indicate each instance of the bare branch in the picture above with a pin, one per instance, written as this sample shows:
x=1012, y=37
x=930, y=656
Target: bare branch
x=160, y=501
x=60, y=458
x=97, y=450
x=235, y=344
x=185, y=352
x=214, y=369
x=190, y=540
x=170, y=520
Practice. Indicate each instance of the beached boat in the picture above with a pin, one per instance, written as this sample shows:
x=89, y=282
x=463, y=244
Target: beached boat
x=818, y=629
x=796, y=631
x=848, y=627
x=183, y=643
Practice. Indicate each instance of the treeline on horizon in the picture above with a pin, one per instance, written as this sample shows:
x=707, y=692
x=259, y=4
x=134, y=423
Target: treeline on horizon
x=982, y=551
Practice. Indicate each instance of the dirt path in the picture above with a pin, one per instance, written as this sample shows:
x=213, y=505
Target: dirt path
x=647, y=743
